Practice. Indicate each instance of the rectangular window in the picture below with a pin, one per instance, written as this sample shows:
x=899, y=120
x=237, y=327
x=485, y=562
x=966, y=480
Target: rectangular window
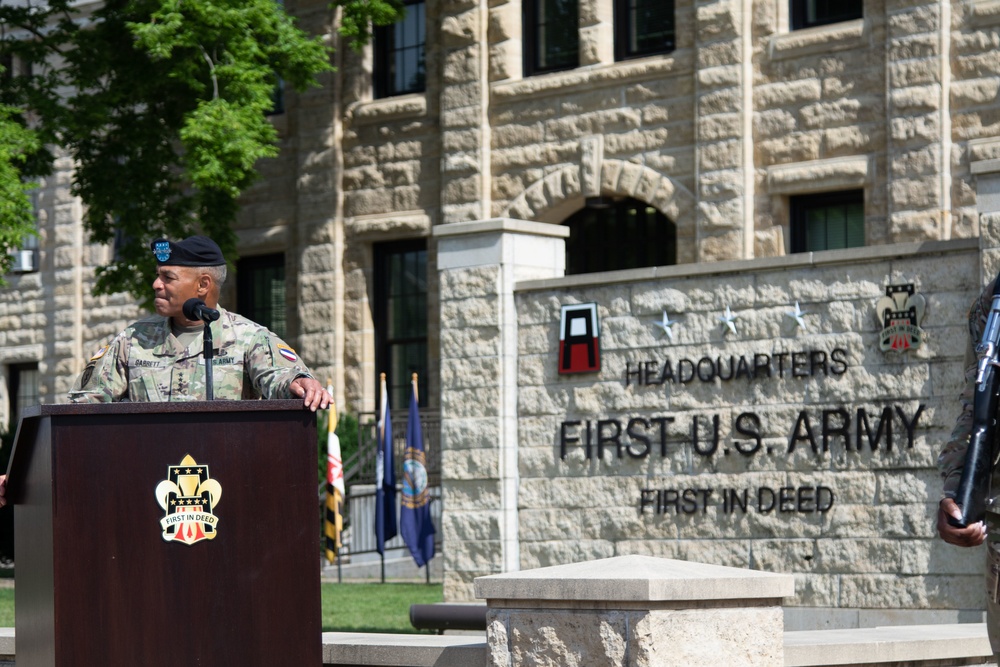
x=399, y=53
x=401, y=318
x=829, y=221
x=260, y=291
x=277, y=97
x=809, y=13
x=551, y=35
x=643, y=27
x=24, y=391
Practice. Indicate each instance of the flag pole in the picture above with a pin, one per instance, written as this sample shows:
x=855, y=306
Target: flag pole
x=381, y=437
x=416, y=396
x=335, y=493
x=331, y=427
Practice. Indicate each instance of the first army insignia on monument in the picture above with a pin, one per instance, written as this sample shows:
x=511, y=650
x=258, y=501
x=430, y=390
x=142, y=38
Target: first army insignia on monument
x=189, y=496
x=900, y=313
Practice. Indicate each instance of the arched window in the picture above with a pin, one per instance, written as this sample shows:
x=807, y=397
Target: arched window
x=610, y=234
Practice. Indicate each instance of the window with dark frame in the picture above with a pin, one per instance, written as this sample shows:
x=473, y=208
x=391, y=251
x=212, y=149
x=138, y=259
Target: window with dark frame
x=608, y=235
x=400, y=66
x=643, y=28
x=278, y=92
x=827, y=221
x=551, y=35
x=277, y=97
x=400, y=318
x=260, y=291
x=24, y=389
x=811, y=13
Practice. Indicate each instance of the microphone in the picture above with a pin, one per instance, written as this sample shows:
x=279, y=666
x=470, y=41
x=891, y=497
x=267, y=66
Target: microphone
x=195, y=309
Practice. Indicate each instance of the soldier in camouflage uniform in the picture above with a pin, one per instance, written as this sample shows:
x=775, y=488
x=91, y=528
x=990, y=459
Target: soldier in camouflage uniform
x=951, y=461
x=146, y=362
x=160, y=358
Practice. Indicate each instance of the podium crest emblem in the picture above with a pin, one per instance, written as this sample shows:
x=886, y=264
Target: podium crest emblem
x=900, y=312
x=188, y=496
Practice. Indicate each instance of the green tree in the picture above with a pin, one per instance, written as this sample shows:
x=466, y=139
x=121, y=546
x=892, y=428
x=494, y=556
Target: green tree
x=163, y=106
x=16, y=215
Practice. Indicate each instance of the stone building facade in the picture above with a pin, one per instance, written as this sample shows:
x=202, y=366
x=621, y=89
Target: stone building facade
x=720, y=135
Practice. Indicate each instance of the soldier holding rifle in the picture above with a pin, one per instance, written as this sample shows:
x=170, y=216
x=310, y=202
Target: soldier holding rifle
x=969, y=510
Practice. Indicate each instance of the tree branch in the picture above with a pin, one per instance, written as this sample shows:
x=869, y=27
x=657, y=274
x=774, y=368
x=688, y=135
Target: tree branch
x=211, y=70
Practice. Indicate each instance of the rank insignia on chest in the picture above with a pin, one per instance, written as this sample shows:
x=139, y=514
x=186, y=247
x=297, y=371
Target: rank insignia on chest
x=287, y=352
x=189, y=496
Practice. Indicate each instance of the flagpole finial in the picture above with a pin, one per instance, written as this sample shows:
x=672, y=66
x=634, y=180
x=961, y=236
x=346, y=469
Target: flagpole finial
x=413, y=381
x=332, y=417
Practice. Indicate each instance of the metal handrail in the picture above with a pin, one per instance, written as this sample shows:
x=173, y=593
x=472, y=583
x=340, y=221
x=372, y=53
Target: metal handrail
x=360, y=467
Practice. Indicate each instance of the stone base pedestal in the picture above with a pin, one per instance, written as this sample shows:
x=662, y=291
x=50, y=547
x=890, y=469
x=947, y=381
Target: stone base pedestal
x=635, y=610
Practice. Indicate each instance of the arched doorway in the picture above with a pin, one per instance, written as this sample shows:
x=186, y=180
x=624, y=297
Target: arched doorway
x=609, y=234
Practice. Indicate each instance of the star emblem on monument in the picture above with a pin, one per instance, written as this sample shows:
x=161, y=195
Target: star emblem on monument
x=666, y=323
x=797, y=315
x=728, y=320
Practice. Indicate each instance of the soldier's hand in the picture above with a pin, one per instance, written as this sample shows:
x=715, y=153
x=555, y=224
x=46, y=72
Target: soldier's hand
x=970, y=536
x=314, y=395
x=3, y=490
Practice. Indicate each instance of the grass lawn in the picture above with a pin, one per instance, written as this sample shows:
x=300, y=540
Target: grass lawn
x=346, y=607
x=374, y=607
x=6, y=607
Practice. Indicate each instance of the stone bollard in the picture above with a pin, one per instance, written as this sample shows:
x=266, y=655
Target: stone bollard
x=635, y=611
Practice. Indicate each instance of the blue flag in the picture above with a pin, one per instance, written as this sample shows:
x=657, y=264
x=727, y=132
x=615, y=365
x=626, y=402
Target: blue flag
x=415, y=513
x=385, y=479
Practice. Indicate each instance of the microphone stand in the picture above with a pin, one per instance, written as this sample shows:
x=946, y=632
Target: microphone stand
x=195, y=309
x=208, y=354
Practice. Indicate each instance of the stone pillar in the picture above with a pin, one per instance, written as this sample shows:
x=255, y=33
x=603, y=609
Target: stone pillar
x=478, y=265
x=464, y=116
x=319, y=236
x=597, y=32
x=723, y=110
x=918, y=147
x=987, y=174
x=635, y=610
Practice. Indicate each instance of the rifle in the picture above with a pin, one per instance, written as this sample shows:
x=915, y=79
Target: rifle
x=974, y=485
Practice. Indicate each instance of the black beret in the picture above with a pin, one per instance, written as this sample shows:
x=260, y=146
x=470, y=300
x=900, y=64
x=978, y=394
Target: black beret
x=192, y=251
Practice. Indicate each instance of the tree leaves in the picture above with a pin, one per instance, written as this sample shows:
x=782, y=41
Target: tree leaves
x=163, y=106
x=359, y=16
x=16, y=214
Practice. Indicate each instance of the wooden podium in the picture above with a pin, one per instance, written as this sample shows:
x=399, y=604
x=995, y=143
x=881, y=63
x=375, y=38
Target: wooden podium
x=166, y=534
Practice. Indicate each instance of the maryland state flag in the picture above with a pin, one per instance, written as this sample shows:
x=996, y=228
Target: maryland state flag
x=333, y=518
x=415, y=513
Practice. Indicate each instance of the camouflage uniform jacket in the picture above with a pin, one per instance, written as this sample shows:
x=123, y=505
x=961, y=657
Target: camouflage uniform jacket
x=146, y=362
x=951, y=460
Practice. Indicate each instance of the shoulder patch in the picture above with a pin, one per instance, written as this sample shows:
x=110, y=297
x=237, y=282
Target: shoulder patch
x=287, y=352
x=100, y=353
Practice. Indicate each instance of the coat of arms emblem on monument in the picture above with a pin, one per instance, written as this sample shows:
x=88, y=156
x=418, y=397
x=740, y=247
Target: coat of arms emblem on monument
x=900, y=312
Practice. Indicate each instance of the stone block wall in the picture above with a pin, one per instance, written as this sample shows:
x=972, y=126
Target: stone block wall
x=49, y=317
x=856, y=527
